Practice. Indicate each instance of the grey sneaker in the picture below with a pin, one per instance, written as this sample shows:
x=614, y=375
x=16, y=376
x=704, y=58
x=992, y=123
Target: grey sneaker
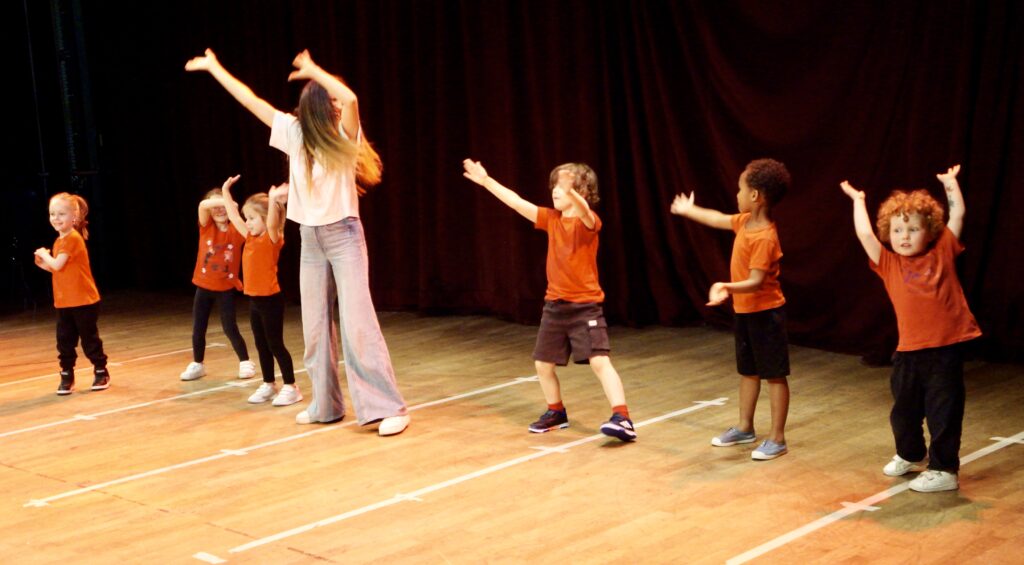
x=768, y=450
x=732, y=436
x=934, y=481
x=899, y=466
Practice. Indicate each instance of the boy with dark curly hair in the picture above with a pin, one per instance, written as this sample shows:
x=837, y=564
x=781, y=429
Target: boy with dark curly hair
x=762, y=347
x=933, y=320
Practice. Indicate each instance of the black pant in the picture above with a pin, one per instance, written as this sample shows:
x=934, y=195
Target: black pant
x=201, y=307
x=72, y=324
x=929, y=384
x=266, y=315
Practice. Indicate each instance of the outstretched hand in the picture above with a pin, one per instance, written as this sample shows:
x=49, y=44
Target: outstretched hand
x=949, y=177
x=304, y=66
x=226, y=187
x=682, y=203
x=853, y=193
x=718, y=294
x=279, y=193
x=203, y=62
x=474, y=171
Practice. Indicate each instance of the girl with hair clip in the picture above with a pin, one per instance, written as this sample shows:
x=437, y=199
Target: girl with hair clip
x=263, y=226
x=216, y=279
x=330, y=164
x=74, y=291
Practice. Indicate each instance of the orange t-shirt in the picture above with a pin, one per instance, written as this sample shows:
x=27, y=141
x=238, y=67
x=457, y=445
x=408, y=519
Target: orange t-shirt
x=572, y=257
x=259, y=265
x=73, y=285
x=931, y=310
x=218, y=259
x=757, y=249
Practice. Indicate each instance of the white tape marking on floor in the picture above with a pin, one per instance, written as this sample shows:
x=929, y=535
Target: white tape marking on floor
x=208, y=558
x=118, y=364
x=35, y=503
x=851, y=508
x=418, y=494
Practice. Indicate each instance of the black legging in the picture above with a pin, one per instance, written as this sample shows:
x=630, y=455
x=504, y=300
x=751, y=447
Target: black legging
x=201, y=307
x=266, y=315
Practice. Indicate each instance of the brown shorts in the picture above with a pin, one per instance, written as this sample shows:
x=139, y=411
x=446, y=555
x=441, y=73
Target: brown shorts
x=571, y=327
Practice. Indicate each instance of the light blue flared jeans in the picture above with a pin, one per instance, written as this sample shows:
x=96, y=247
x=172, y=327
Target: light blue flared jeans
x=334, y=265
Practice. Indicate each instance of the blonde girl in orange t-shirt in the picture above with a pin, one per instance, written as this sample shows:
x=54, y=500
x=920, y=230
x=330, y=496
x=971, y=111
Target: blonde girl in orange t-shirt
x=263, y=226
x=216, y=280
x=74, y=291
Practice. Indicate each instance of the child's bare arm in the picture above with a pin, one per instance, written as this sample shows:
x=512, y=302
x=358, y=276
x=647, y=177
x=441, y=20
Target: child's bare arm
x=955, y=199
x=306, y=69
x=476, y=173
x=581, y=208
x=259, y=107
x=205, y=206
x=862, y=222
x=49, y=262
x=231, y=207
x=683, y=206
x=721, y=290
x=275, y=214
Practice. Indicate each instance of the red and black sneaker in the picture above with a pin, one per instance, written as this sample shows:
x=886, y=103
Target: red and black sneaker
x=550, y=420
x=101, y=381
x=67, y=383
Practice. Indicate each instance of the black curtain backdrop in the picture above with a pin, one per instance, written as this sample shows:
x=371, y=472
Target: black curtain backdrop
x=659, y=97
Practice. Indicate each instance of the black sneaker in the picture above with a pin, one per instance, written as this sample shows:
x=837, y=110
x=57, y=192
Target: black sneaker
x=101, y=380
x=619, y=426
x=550, y=420
x=67, y=383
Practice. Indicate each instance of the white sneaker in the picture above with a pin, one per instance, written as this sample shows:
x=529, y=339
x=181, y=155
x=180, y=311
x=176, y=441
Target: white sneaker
x=899, y=466
x=246, y=370
x=303, y=418
x=935, y=481
x=289, y=395
x=393, y=425
x=193, y=371
x=263, y=394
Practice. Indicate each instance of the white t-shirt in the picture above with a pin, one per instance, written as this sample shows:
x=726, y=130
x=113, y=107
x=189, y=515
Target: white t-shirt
x=332, y=198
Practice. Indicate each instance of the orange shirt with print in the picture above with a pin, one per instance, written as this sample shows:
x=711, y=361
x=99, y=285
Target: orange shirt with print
x=931, y=310
x=572, y=257
x=259, y=265
x=73, y=285
x=219, y=258
x=755, y=249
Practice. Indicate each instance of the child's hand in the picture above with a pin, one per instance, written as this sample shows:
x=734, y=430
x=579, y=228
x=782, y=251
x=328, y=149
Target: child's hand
x=226, y=187
x=279, y=193
x=718, y=294
x=474, y=171
x=950, y=175
x=38, y=259
x=682, y=204
x=853, y=193
x=304, y=66
x=202, y=63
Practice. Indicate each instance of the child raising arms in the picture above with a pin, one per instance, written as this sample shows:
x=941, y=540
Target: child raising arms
x=264, y=238
x=762, y=350
x=330, y=161
x=74, y=291
x=933, y=321
x=573, y=319
x=216, y=279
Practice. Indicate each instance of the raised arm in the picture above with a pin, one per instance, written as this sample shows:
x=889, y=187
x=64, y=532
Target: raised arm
x=955, y=199
x=862, y=223
x=683, y=206
x=275, y=212
x=258, y=106
x=206, y=205
x=581, y=208
x=476, y=173
x=231, y=207
x=306, y=69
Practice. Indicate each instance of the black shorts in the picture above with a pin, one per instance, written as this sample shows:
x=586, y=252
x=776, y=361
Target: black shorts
x=571, y=327
x=762, y=348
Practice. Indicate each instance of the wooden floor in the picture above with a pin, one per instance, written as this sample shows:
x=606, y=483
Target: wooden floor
x=155, y=470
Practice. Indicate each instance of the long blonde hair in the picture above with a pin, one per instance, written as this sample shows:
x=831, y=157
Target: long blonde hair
x=81, y=209
x=322, y=141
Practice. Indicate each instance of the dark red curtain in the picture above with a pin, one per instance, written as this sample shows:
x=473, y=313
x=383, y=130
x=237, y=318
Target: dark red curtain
x=659, y=97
